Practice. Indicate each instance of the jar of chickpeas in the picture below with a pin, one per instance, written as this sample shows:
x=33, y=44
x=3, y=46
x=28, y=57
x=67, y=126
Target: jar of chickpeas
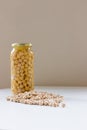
x=22, y=68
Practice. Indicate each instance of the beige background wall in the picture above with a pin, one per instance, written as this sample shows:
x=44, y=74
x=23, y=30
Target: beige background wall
x=58, y=32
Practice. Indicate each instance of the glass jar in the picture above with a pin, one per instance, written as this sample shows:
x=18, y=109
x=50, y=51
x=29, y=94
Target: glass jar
x=22, y=68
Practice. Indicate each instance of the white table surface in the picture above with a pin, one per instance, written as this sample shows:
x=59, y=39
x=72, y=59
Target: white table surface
x=15, y=116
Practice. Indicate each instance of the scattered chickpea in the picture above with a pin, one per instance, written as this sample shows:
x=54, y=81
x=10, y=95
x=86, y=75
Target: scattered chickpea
x=63, y=105
x=37, y=98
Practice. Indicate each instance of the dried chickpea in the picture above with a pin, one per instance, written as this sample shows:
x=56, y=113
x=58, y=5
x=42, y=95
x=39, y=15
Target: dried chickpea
x=22, y=76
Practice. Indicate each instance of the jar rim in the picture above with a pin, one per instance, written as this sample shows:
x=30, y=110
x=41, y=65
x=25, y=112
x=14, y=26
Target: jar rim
x=21, y=44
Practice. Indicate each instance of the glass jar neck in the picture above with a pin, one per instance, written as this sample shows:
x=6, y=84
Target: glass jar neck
x=22, y=46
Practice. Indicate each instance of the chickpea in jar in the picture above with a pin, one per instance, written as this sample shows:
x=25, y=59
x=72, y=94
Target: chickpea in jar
x=22, y=68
